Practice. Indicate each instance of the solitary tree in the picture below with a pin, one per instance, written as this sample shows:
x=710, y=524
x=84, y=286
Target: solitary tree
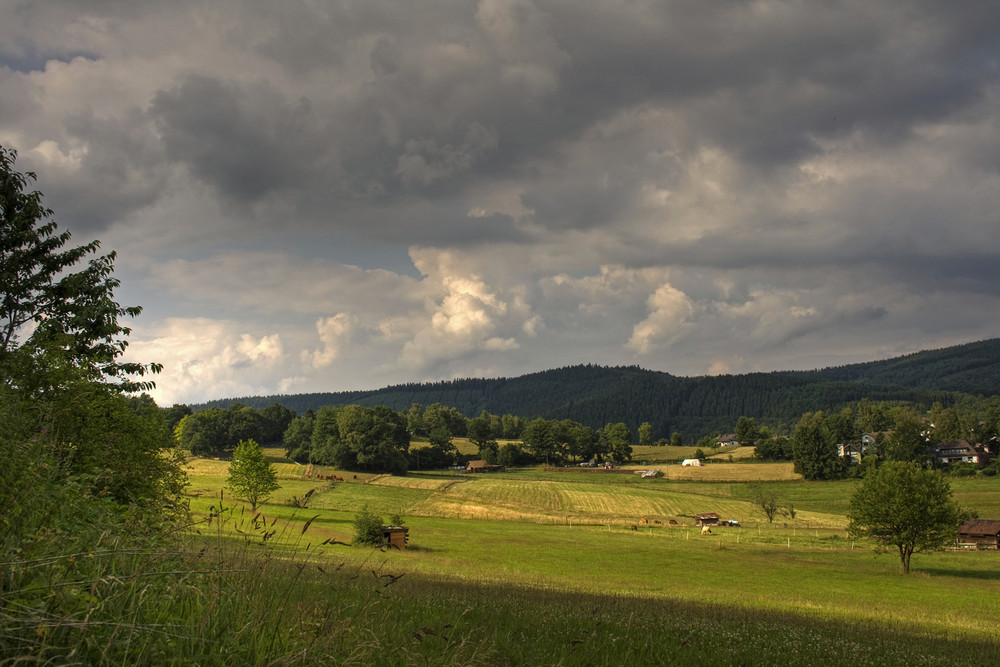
x=766, y=500
x=251, y=475
x=903, y=505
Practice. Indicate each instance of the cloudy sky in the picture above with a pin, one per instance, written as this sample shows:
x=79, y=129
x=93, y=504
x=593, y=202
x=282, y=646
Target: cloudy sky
x=323, y=195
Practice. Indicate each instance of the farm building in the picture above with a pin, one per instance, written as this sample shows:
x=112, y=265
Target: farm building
x=691, y=462
x=981, y=533
x=707, y=519
x=727, y=440
x=482, y=466
x=395, y=536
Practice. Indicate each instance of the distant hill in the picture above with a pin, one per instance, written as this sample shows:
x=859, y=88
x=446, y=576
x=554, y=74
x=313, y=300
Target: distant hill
x=973, y=368
x=596, y=395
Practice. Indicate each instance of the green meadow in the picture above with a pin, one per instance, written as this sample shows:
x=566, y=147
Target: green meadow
x=544, y=567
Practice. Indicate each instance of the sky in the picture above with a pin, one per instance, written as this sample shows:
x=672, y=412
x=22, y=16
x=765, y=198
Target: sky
x=325, y=196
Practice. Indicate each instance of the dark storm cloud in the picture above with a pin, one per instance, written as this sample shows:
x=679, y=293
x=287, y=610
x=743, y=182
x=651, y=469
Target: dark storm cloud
x=720, y=185
x=248, y=143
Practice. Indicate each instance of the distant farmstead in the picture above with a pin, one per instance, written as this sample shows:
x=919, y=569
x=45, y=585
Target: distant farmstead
x=980, y=533
x=706, y=519
x=482, y=466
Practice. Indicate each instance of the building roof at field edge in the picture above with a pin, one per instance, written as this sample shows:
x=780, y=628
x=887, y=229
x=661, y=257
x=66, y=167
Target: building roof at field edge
x=981, y=527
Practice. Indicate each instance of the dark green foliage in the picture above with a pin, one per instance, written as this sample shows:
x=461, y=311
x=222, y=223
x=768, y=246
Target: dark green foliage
x=618, y=442
x=775, y=449
x=746, y=431
x=907, y=441
x=814, y=452
x=973, y=368
x=433, y=457
x=354, y=437
x=47, y=304
x=298, y=437
x=513, y=454
x=480, y=432
x=367, y=528
x=217, y=431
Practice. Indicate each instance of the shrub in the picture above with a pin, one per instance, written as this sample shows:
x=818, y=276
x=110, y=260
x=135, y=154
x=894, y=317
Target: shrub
x=367, y=528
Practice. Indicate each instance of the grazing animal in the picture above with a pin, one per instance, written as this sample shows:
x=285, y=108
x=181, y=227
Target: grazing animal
x=643, y=520
x=656, y=521
x=635, y=527
x=706, y=530
x=672, y=522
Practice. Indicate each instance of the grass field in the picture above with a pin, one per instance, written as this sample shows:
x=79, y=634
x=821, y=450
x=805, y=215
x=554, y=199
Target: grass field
x=487, y=543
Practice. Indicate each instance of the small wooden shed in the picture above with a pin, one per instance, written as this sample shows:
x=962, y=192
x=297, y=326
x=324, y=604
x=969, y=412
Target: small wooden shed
x=395, y=536
x=707, y=519
x=981, y=533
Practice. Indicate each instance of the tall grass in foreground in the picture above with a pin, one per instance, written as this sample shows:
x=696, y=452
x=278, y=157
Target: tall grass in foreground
x=249, y=601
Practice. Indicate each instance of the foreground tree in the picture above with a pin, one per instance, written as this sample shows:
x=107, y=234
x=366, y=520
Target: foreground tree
x=903, y=505
x=251, y=475
x=46, y=306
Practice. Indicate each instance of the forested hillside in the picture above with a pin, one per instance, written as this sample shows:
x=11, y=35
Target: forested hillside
x=595, y=395
x=973, y=368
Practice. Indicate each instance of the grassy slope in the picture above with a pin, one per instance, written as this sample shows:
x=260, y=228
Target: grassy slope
x=571, y=532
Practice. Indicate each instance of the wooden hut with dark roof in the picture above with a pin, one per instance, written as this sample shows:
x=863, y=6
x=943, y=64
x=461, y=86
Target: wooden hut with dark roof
x=980, y=533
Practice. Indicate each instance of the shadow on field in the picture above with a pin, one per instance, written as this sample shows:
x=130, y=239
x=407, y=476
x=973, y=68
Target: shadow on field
x=991, y=575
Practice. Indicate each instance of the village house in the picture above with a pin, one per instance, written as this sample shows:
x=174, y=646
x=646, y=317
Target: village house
x=727, y=440
x=850, y=452
x=959, y=451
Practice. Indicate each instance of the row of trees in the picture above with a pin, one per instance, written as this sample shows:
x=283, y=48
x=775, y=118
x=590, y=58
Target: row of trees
x=216, y=431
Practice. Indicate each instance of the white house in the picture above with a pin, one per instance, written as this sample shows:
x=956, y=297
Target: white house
x=691, y=462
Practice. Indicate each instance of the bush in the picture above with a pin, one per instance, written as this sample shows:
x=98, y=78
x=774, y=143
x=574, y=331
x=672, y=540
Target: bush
x=367, y=528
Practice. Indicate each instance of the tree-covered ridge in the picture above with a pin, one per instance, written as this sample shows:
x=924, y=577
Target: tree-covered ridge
x=972, y=368
x=597, y=395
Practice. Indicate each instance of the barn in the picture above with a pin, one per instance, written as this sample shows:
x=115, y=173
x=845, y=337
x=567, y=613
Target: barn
x=707, y=519
x=980, y=533
x=482, y=466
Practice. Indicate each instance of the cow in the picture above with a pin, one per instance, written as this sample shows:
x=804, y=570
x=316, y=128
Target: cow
x=706, y=530
x=672, y=522
x=657, y=522
x=643, y=520
x=635, y=527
